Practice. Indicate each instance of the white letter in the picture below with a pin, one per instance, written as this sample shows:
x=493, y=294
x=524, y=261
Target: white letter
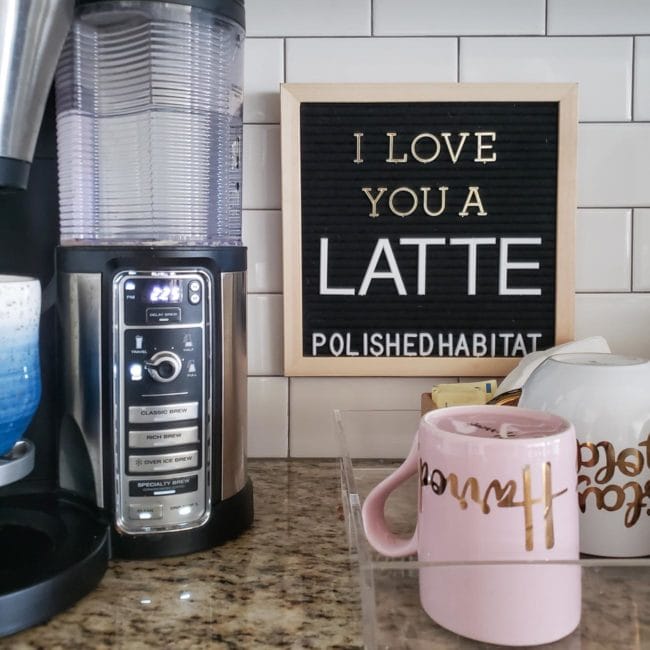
x=324, y=289
x=425, y=351
x=534, y=336
x=480, y=146
x=373, y=201
x=383, y=246
x=479, y=347
x=422, y=243
x=408, y=344
x=472, y=244
x=519, y=346
x=445, y=345
x=317, y=341
x=461, y=346
x=505, y=265
x=336, y=344
x=505, y=337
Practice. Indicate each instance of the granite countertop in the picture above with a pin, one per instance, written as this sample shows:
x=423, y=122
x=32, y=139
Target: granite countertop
x=287, y=582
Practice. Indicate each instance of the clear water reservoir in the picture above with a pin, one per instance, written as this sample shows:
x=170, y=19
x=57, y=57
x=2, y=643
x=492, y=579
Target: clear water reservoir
x=149, y=126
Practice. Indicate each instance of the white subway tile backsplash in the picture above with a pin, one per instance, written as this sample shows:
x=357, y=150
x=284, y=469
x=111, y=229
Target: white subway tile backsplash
x=442, y=17
x=268, y=417
x=261, y=167
x=642, y=78
x=371, y=60
x=263, y=74
x=603, y=250
x=386, y=434
x=601, y=66
x=641, y=251
x=613, y=168
x=308, y=17
x=265, y=338
x=598, y=17
x=602, y=45
x=262, y=234
x=622, y=318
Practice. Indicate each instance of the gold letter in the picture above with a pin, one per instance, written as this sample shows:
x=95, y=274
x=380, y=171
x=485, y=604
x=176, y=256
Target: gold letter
x=594, y=454
x=425, y=200
x=548, y=504
x=633, y=511
x=391, y=157
x=504, y=494
x=604, y=474
x=454, y=155
x=358, y=159
x=471, y=484
x=646, y=444
x=438, y=482
x=480, y=146
x=373, y=201
x=630, y=467
x=472, y=191
x=435, y=153
x=412, y=209
x=619, y=494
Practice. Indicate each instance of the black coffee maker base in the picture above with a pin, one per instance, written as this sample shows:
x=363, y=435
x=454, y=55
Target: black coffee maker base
x=53, y=551
x=229, y=519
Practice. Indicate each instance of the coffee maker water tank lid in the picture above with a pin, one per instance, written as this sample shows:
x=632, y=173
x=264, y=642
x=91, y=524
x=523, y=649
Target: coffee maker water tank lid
x=233, y=9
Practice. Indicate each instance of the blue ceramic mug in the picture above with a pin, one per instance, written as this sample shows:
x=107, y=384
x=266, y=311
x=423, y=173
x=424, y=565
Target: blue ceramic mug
x=20, y=373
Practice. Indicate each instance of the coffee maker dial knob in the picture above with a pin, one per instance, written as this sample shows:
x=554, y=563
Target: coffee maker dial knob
x=164, y=366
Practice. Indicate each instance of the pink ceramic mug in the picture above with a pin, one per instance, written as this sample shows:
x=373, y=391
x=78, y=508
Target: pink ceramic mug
x=497, y=517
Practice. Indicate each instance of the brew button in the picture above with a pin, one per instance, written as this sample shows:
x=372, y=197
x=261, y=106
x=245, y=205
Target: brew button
x=163, y=413
x=186, y=510
x=163, y=463
x=164, y=437
x=142, y=512
x=195, y=298
x=194, y=285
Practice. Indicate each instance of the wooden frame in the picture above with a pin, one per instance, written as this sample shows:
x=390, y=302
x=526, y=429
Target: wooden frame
x=293, y=95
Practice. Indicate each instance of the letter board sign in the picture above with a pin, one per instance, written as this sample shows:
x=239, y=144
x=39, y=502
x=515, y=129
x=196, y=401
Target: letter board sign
x=428, y=229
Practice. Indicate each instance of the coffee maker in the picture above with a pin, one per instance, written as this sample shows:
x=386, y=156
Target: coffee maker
x=140, y=436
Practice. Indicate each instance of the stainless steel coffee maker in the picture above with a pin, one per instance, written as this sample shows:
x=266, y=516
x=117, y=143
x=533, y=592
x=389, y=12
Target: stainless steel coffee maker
x=144, y=361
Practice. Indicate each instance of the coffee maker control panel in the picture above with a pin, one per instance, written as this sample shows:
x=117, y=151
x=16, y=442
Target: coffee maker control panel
x=163, y=358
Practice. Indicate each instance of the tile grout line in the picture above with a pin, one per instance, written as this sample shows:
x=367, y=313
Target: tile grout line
x=546, y=18
x=633, y=76
x=308, y=37
x=632, y=213
x=284, y=60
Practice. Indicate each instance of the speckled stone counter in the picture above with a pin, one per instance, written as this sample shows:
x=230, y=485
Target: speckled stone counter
x=285, y=583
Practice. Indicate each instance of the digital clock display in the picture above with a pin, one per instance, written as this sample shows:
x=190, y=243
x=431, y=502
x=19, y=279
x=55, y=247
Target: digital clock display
x=163, y=293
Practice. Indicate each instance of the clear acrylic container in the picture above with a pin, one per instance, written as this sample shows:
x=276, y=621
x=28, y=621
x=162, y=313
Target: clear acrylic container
x=615, y=592
x=149, y=126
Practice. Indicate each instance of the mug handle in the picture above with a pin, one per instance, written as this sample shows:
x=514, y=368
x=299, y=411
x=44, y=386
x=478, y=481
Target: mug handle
x=372, y=512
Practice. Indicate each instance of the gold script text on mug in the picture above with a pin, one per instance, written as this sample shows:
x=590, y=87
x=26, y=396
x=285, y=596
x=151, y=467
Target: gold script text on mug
x=630, y=462
x=504, y=495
